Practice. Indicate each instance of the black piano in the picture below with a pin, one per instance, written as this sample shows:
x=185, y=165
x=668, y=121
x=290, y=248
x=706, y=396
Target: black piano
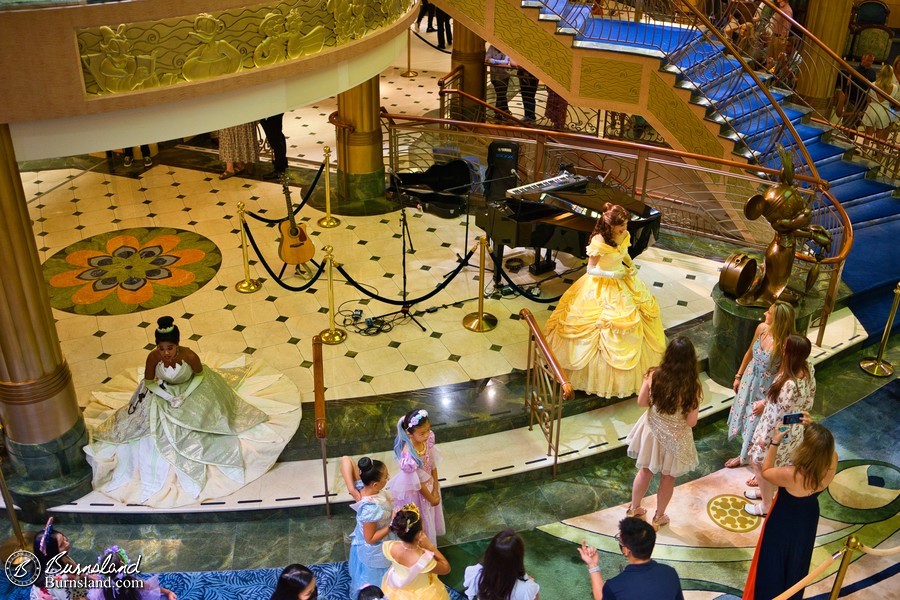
x=559, y=214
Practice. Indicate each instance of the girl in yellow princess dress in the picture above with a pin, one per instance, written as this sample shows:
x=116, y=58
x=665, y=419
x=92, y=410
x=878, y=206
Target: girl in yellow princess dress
x=606, y=331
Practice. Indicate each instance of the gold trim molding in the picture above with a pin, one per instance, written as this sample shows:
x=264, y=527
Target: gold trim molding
x=36, y=390
x=128, y=57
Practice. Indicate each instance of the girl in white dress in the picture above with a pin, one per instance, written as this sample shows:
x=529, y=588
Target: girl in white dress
x=662, y=440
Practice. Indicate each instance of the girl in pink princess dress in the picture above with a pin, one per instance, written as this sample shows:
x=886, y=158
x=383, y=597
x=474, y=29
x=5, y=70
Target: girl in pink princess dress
x=417, y=481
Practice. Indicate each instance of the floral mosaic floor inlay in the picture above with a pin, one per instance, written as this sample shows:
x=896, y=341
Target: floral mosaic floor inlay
x=120, y=272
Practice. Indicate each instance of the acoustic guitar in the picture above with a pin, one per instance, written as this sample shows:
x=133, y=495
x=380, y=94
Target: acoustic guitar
x=295, y=246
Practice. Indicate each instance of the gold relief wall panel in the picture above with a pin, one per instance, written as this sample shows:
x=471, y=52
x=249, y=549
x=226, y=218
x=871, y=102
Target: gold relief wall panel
x=607, y=79
x=474, y=9
x=682, y=123
x=521, y=30
x=143, y=55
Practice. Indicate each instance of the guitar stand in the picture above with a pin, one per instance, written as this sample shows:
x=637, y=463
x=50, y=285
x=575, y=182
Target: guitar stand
x=302, y=271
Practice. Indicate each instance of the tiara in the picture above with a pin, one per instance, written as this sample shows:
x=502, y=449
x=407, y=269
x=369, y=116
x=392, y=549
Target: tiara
x=168, y=329
x=411, y=508
x=417, y=417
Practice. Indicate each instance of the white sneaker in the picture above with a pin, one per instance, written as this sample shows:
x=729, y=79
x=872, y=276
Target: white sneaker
x=148, y=162
x=128, y=161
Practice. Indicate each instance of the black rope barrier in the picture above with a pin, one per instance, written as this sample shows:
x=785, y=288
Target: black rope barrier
x=445, y=51
x=498, y=266
x=297, y=207
x=292, y=288
x=409, y=301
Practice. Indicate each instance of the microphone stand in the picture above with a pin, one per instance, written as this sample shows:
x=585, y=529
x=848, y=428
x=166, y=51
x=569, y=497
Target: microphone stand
x=404, y=236
x=468, y=187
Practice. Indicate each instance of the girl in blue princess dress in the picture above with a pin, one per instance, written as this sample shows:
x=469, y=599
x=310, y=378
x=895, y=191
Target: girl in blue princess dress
x=374, y=510
x=417, y=481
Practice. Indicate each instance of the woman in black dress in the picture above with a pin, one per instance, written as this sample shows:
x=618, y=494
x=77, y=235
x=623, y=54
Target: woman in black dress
x=786, y=544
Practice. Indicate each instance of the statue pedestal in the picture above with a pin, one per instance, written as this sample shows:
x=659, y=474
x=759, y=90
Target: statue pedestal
x=733, y=328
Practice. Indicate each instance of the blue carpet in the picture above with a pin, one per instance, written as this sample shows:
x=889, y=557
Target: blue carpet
x=867, y=429
x=332, y=582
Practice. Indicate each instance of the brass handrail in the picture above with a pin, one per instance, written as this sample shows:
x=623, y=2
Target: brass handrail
x=795, y=26
x=712, y=30
x=535, y=329
x=586, y=141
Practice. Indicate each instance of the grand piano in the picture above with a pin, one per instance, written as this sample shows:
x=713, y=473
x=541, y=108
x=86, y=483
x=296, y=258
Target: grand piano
x=559, y=213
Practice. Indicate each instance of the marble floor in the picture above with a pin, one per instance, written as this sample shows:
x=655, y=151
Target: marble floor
x=70, y=204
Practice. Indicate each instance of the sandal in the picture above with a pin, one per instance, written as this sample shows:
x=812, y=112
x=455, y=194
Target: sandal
x=659, y=521
x=226, y=175
x=753, y=494
x=754, y=509
x=752, y=482
x=640, y=511
x=733, y=463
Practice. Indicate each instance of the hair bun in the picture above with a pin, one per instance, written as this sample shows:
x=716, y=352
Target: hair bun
x=364, y=464
x=164, y=322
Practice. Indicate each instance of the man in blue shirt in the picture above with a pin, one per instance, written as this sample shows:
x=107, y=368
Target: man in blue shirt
x=642, y=578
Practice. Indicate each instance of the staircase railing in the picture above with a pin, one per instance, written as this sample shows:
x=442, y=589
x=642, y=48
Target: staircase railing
x=803, y=62
x=590, y=121
x=690, y=32
x=696, y=194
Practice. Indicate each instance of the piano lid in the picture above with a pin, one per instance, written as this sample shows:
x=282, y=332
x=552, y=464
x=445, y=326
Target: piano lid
x=590, y=202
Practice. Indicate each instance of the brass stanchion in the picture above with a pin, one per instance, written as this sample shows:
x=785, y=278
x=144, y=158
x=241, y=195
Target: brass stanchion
x=10, y=545
x=247, y=286
x=332, y=335
x=851, y=544
x=480, y=321
x=877, y=366
x=321, y=429
x=409, y=72
x=328, y=221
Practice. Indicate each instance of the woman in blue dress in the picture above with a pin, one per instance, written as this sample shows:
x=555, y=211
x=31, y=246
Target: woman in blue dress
x=755, y=375
x=374, y=510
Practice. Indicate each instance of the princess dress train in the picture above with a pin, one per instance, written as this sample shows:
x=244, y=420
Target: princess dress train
x=234, y=422
x=606, y=331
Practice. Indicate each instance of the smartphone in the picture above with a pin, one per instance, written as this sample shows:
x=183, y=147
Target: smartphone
x=792, y=418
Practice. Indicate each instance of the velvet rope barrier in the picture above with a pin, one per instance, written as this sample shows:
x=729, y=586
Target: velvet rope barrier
x=813, y=575
x=297, y=207
x=409, y=301
x=518, y=289
x=292, y=288
x=877, y=551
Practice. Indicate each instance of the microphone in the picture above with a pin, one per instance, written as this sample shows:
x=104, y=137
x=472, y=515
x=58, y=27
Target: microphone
x=514, y=173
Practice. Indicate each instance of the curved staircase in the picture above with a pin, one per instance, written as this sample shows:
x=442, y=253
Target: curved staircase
x=731, y=98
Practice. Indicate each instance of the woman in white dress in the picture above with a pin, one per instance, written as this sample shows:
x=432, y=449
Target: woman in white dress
x=879, y=115
x=186, y=435
x=662, y=440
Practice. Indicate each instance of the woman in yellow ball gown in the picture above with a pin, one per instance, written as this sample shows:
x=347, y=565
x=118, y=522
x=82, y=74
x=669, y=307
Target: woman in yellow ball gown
x=606, y=331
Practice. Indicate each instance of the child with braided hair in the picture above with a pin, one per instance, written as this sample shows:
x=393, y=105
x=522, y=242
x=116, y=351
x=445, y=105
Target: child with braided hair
x=415, y=561
x=417, y=481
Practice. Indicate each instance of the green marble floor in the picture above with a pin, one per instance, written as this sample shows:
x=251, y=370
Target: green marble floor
x=474, y=513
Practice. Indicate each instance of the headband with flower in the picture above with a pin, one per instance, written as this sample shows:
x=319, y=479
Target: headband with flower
x=121, y=553
x=48, y=529
x=417, y=418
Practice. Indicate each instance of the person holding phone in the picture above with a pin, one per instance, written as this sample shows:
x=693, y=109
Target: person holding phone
x=785, y=546
x=792, y=391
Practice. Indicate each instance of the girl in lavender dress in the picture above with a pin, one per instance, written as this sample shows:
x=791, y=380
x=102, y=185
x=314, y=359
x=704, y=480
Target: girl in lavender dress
x=417, y=481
